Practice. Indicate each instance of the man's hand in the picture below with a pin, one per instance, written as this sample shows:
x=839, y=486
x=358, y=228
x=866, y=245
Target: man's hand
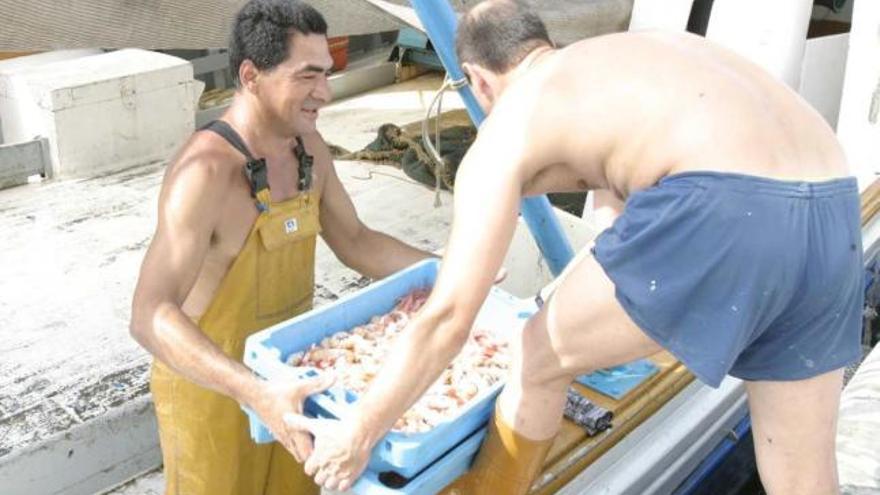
x=274, y=399
x=340, y=453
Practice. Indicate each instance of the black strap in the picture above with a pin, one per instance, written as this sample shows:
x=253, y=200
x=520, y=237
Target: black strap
x=254, y=168
x=305, y=161
x=230, y=135
x=698, y=22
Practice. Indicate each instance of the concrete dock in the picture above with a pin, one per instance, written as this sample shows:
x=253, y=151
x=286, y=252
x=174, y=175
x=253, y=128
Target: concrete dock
x=71, y=378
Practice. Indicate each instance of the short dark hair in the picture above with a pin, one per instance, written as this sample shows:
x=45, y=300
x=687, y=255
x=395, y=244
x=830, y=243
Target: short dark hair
x=500, y=35
x=263, y=28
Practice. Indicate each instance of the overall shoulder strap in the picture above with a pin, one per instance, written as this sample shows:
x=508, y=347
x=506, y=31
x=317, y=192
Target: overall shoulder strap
x=224, y=130
x=254, y=169
x=306, y=161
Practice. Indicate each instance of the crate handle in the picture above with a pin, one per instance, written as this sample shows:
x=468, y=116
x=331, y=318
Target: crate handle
x=333, y=400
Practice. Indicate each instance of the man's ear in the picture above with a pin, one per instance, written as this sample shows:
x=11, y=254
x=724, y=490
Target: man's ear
x=482, y=82
x=248, y=75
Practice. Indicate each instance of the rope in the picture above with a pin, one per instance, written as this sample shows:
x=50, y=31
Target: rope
x=440, y=170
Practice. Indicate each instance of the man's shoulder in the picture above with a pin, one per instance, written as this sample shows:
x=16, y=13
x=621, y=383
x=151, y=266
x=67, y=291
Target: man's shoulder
x=206, y=161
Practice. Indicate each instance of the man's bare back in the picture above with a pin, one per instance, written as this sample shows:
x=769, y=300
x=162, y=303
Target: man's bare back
x=621, y=111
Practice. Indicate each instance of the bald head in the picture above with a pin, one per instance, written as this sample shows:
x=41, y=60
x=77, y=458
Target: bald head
x=498, y=34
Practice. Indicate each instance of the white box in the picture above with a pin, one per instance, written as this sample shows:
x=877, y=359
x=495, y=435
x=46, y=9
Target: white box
x=11, y=110
x=103, y=112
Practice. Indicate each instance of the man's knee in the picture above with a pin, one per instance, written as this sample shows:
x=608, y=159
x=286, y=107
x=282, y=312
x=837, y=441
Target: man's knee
x=542, y=364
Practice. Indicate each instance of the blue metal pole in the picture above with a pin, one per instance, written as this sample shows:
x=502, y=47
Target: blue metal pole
x=440, y=22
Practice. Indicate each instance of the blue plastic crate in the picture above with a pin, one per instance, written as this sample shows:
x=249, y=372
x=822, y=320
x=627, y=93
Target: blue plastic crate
x=266, y=352
x=432, y=479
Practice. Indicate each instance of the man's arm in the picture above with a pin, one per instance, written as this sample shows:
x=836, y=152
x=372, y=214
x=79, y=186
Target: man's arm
x=189, y=205
x=359, y=247
x=478, y=242
x=487, y=195
x=189, y=208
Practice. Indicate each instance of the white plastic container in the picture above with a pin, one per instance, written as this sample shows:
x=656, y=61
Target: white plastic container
x=102, y=112
x=8, y=109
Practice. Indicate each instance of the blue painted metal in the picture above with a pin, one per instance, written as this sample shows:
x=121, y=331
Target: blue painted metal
x=547, y=231
x=408, y=37
x=618, y=381
x=414, y=48
x=715, y=458
x=439, y=21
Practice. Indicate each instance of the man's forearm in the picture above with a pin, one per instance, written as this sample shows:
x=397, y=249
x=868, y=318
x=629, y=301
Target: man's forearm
x=176, y=341
x=378, y=255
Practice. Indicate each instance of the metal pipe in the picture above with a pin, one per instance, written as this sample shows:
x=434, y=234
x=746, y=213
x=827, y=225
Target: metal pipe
x=440, y=22
x=713, y=461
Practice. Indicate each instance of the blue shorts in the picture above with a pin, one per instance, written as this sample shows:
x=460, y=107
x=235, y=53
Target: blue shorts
x=733, y=274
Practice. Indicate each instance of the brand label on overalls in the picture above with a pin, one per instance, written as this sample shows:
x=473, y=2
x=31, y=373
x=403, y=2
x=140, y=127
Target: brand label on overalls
x=290, y=226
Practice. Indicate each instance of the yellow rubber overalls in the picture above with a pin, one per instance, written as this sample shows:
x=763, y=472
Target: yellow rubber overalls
x=206, y=446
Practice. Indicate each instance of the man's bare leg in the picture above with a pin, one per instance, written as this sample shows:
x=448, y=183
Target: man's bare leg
x=581, y=328
x=794, y=425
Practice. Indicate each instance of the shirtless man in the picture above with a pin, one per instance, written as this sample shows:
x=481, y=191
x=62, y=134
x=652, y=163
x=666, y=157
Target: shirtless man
x=234, y=253
x=738, y=249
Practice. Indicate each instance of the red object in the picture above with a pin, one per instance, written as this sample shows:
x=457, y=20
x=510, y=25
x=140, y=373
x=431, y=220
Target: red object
x=339, y=52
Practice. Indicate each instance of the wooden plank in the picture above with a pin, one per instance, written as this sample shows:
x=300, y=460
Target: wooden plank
x=572, y=435
x=576, y=451
x=870, y=202
x=573, y=450
x=6, y=55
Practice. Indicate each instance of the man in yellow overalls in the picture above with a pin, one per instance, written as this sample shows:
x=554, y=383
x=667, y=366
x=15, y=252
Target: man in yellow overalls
x=234, y=252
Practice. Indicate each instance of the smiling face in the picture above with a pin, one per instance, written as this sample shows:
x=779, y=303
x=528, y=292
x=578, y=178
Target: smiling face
x=291, y=93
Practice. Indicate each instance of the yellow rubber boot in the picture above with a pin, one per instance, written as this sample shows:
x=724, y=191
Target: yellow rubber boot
x=507, y=463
